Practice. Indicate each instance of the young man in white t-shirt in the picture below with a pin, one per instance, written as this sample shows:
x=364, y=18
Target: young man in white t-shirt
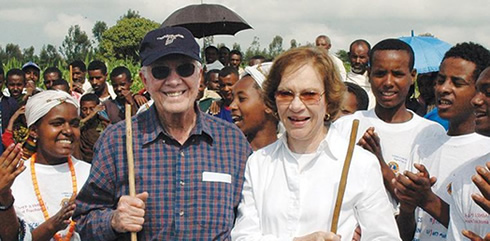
x=455, y=87
x=390, y=129
x=469, y=209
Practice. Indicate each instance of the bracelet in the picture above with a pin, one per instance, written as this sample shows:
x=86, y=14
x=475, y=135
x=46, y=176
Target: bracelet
x=5, y=208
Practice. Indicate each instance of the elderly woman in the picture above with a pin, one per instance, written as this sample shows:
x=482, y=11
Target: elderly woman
x=291, y=185
x=248, y=109
x=45, y=192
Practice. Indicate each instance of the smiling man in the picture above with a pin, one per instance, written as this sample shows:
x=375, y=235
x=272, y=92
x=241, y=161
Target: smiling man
x=439, y=157
x=189, y=166
x=390, y=129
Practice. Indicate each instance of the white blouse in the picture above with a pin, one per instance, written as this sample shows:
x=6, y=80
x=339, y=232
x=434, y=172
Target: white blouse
x=284, y=197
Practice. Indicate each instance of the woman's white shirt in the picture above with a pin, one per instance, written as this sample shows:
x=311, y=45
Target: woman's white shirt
x=283, y=198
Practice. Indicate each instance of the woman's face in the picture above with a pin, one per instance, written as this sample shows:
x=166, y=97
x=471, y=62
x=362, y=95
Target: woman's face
x=248, y=109
x=303, y=119
x=58, y=131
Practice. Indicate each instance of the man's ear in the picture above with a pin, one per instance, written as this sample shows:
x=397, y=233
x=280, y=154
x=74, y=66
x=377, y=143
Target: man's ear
x=143, y=79
x=413, y=74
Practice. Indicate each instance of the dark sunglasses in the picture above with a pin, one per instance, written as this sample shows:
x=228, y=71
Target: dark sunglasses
x=183, y=70
x=307, y=97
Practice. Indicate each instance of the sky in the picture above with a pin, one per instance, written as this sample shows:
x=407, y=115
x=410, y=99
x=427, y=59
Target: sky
x=37, y=23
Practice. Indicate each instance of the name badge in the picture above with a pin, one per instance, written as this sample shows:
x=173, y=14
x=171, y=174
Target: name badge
x=216, y=177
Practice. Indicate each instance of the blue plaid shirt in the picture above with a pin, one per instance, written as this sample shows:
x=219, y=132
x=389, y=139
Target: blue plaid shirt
x=183, y=203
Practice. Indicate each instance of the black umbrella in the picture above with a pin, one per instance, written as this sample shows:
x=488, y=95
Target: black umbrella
x=207, y=20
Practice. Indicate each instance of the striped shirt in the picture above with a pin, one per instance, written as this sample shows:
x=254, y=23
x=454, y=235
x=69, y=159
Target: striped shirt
x=193, y=188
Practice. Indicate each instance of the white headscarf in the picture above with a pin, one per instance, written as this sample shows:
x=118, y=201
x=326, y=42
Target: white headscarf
x=41, y=103
x=259, y=72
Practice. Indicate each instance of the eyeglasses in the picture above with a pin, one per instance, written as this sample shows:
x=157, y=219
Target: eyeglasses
x=162, y=72
x=307, y=97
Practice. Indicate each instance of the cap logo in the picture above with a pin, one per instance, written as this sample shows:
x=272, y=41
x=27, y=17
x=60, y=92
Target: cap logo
x=170, y=38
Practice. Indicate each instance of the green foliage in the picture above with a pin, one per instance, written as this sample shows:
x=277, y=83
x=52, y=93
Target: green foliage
x=293, y=44
x=49, y=56
x=275, y=47
x=122, y=40
x=76, y=44
x=131, y=14
x=344, y=56
x=99, y=28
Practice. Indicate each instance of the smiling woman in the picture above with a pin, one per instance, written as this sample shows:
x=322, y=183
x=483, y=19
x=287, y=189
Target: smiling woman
x=46, y=191
x=290, y=186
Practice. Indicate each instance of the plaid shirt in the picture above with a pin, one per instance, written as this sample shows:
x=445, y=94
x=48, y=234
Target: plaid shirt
x=191, y=196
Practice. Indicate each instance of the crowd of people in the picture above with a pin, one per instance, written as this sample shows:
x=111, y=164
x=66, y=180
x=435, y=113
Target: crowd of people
x=225, y=150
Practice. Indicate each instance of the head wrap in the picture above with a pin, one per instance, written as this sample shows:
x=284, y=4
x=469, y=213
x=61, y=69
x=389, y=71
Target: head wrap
x=259, y=72
x=41, y=103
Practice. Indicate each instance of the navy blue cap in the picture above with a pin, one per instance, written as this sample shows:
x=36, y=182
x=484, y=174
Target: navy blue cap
x=165, y=41
x=31, y=64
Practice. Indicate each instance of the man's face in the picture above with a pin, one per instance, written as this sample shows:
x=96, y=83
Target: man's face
x=97, y=80
x=87, y=107
x=359, y=58
x=31, y=74
x=15, y=85
x=322, y=43
x=211, y=55
x=174, y=94
x=235, y=60
x=226, y=87
x=78, y=75
x=481, y=104
x=121, y=85
x=455, y=87
x=390, y=78
x=49, y=78
x=224, y=56
x=213, y=83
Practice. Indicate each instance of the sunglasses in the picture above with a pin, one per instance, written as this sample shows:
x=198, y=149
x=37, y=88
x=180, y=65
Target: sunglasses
x=183, y=70
x=307, y=97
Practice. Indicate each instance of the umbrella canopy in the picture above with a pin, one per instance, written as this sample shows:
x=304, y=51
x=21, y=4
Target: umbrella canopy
x=207, y=20
x=429, y=52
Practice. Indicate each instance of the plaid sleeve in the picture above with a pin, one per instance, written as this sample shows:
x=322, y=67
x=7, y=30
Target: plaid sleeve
x=96, y=201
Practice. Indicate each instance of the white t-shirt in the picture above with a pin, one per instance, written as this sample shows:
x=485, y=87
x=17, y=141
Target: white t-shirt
x=55, y=186
x=284, y=197
x=396, y=139
x=363, y=81
x=442, y=157
x=464, y=213
x=112, y=94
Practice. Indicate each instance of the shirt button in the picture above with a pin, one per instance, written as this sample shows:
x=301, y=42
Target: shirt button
x=182, y=154
x=163, y=141
x=182, y=183
x=181, y=213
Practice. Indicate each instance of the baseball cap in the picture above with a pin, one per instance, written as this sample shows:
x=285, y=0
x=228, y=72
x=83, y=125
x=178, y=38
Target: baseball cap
x=165, y=41
x=31, y=64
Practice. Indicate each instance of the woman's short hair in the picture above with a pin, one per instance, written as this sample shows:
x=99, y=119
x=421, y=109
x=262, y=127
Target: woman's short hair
x=294, y=59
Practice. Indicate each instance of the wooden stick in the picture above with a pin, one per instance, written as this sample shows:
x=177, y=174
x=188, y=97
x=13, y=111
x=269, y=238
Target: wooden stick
x=343, y=178
x=71, y=77
x=129, y=151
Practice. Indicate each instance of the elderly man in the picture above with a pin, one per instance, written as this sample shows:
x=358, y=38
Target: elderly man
x=323, y=42
x=358, y=74
x=188, y=165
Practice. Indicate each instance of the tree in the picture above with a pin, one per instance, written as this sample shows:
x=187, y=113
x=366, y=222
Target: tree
x=122, y=40
x=254, y=49
x=275, y=47
x=76, y=44
x=12, y=51
x=99, y=28
x=49, y=56
x=131, y=14
x=236, y=46
x=28, y=55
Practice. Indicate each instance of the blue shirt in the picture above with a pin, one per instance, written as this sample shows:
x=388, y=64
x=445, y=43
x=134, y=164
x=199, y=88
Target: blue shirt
x=193, y=188
x=434, y=116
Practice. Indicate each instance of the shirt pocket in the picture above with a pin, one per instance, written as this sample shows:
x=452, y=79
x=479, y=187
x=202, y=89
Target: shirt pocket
x=214, y=206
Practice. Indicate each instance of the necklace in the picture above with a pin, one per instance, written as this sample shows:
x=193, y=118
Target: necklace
x=71, y=229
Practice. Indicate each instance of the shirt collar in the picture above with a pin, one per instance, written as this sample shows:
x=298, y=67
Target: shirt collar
x=331, y=145
x=152, y=129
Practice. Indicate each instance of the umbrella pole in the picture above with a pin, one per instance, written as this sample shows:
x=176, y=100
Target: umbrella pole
x=129, y=151
x=343, y=178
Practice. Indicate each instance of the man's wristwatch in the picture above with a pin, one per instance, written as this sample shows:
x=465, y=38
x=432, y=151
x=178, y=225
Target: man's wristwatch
x=7, y=207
